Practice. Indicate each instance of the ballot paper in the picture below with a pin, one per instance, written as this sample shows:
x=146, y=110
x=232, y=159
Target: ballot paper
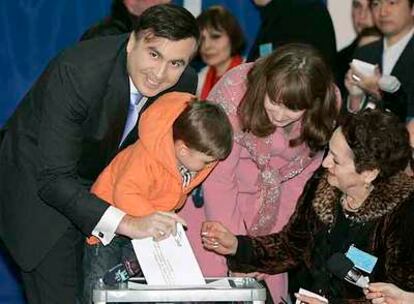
x=170, y=262
x=217, y=283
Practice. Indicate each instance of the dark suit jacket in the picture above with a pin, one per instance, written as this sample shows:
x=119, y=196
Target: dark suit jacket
x=401, y=102
x=119, y=22
x=65, y=131
x=304, y=21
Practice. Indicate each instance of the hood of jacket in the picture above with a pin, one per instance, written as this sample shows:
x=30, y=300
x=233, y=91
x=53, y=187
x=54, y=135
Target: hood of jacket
x=155, y=128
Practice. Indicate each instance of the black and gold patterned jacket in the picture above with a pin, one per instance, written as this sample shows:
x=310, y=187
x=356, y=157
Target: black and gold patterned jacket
x=383, y=227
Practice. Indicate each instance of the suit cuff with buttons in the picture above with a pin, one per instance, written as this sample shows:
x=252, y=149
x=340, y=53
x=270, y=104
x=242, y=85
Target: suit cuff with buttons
x=107, y=225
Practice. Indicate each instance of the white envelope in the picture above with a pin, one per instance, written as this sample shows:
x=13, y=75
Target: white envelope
x=169, y=262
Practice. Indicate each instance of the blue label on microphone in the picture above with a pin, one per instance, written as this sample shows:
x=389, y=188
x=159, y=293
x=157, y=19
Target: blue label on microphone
x=362, y=260
x=265, y=49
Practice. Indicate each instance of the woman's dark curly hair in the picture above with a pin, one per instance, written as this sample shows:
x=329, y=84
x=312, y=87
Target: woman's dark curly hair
x=378, y=140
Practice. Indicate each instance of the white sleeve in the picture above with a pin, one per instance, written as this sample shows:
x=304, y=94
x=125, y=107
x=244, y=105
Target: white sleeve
x=107, y=225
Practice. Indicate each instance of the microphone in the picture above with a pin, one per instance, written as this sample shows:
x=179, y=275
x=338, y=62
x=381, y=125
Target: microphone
x=389, y=83
x=198, y=196
x=128, y=268
x=343, y=268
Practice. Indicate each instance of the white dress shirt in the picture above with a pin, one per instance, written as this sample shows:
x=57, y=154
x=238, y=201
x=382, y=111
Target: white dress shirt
x=392, y=53
x=109, y=222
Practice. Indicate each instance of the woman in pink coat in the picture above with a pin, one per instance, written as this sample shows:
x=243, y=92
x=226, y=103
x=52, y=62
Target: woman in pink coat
x=283, y=109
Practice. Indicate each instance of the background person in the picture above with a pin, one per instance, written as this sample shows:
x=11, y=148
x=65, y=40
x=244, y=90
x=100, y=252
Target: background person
x=393, y=55
x=362, y=198
x=124, y=15
x=367, y=36
x=282, y=109
x=69, y=126
x=361, y=19
x=222, y=43
x=294, y=21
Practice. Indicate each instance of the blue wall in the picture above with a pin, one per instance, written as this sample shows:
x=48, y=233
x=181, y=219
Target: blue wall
x=33, y=31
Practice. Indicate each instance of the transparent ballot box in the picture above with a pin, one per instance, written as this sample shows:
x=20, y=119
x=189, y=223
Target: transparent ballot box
x=135, y=291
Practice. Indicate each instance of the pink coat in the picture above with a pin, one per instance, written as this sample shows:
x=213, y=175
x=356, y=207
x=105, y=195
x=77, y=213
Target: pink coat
x=231, y=191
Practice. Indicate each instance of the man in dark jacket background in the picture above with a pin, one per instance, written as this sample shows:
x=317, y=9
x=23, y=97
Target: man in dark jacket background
x=303, y=21
x=361, y=19
x=393, y=55
x=124, y=14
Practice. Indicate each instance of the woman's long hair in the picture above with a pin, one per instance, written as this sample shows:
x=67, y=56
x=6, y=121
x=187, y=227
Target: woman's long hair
x=296, y=76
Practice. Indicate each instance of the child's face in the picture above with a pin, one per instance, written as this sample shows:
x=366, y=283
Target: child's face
x=191, y=159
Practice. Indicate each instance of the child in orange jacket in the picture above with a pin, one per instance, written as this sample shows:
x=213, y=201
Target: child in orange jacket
x=180, y=142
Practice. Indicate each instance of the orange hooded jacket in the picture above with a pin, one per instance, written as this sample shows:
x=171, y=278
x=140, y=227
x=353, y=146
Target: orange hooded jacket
x=144, y=177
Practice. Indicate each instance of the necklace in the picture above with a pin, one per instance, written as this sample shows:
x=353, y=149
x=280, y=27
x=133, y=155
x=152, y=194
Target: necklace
x=345, y=202
x=351, y=204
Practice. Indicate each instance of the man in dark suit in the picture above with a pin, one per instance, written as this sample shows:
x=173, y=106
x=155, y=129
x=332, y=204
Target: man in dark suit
x=361, y=19
x=124, y=14
x=286, y=21
x=68, y=127
x=394, y=56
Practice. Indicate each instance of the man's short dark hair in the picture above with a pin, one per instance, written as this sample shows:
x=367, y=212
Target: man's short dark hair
x=205, y=127
x=411, y=2
x=168, y=21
